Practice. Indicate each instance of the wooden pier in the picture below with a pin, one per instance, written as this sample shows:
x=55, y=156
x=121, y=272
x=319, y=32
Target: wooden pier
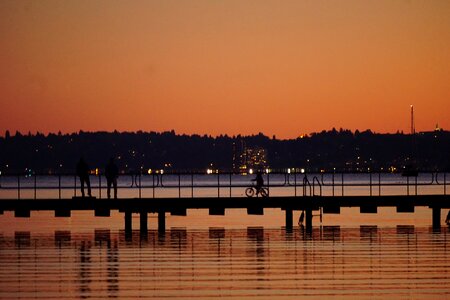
x=218, y=206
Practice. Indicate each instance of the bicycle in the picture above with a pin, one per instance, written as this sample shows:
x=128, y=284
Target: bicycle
x=251, y=191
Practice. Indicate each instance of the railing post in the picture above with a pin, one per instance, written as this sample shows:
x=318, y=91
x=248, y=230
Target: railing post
x=379, y=183
x=192, y=184
x=304, y=186
x=140, y=183
x=268, y=184
x=342, y=183
x=153, y=185
x=74, y=185
x=35, y=185
x=18, y=187
x=407, y=185
x=99, y=186
x=370, y=180
x=59, y=186
x=415, y=178
x=445, y=184
x=179, y=185
x=295, y=182
x=218, y=184
x=231, y=173
x=332, y=183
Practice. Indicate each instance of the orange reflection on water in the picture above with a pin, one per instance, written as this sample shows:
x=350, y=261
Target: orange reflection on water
x=330, y=261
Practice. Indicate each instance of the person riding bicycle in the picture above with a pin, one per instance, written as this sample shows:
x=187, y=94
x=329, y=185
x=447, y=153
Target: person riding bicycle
x=259, y=182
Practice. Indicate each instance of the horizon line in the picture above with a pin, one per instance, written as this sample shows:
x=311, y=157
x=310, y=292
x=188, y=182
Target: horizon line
x=274, y=136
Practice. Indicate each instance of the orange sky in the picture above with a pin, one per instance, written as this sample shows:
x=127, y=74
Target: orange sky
x=277, y=67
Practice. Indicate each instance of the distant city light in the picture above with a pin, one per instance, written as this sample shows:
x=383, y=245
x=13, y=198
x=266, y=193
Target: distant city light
x=252, y=158
x=149, y=171
x=161, y=171
x=289, y=171
x=302, y=171
x=267, y=171
x=209, y=171
x=250, y=171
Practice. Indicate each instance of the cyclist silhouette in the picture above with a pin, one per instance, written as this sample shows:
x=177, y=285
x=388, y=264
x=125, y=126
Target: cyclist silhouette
x=259, y=182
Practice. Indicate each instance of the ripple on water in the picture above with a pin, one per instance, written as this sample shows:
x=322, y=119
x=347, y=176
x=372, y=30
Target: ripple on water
x=364, y=262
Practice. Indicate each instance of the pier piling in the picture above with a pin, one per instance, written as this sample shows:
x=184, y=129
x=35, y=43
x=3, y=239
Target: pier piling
x=144, y=221
x=161, y=221
x=128, y=222
x=308, y=218
x=436, y=211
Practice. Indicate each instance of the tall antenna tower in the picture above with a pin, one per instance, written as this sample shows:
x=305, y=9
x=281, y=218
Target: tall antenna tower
x=413, y=129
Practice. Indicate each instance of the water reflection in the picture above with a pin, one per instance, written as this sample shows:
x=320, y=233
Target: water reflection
x=62, y=238
x=405, y=229
x=22, y=239
x=367, y=261
x=84, y=269
x=331, y=233
x=368, y=232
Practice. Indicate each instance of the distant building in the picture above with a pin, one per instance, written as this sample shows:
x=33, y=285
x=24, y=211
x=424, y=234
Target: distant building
x=436, y=130
x=253, y=159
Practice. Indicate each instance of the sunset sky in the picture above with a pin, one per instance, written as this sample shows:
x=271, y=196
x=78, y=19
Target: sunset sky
x=224, y=67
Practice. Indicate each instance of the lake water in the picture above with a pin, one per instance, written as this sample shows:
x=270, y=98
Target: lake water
x=350, y=255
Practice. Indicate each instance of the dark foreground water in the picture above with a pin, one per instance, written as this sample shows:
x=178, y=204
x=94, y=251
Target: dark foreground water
x=272, y=263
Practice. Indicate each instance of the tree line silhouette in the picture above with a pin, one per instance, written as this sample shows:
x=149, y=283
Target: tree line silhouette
x=333, y=150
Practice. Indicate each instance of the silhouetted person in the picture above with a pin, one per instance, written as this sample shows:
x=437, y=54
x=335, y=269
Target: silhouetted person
x=83, y=173
x=259, y=182
x=111, y=174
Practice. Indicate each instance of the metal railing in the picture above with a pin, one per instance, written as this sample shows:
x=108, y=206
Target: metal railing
x=227, y=183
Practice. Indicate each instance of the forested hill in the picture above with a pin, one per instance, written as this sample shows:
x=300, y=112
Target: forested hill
x=343, y=150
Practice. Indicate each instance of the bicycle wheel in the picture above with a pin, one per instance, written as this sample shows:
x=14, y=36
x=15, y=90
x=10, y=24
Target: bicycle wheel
x=249, y=192
x=264, y=192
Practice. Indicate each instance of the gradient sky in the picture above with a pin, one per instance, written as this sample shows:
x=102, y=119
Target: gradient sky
x=224, y=67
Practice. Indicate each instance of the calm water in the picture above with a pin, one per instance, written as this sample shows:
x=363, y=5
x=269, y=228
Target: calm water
x=350, y=255
x=364, y=262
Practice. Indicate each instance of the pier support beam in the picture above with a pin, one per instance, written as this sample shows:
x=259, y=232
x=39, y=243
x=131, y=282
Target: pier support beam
x=161, y=221
x=308, y=218
x=128, y=222
x=436, y=217
x=288, y=218
x=144, y=221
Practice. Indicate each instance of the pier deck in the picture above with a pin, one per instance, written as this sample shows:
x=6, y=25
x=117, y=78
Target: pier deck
x=217, y=206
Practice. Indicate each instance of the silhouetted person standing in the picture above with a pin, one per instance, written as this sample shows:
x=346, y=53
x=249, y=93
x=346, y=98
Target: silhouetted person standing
x=83, y=173
x=111, y=173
